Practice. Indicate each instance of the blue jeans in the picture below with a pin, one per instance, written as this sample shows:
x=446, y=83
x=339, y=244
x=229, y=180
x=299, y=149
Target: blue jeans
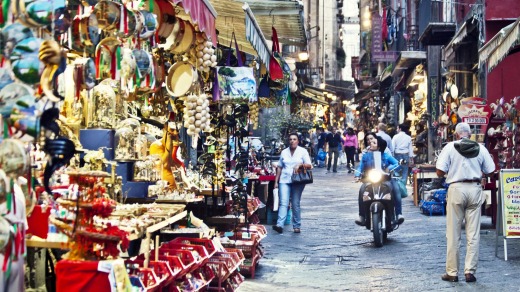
x=404, y=167
x=397, y=198
x=294, y=193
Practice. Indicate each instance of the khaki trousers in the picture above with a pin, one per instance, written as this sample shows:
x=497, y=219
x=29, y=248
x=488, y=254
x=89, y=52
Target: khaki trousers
x=464, y=202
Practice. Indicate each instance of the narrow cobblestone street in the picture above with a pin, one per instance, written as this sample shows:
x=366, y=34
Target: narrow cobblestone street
x=334, y=254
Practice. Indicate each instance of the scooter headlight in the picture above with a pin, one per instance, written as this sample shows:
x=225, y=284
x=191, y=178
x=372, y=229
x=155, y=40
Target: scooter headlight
x=374, y=176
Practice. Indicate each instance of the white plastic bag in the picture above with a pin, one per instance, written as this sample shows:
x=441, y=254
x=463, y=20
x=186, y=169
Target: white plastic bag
x=276, y=198
x=343, y=158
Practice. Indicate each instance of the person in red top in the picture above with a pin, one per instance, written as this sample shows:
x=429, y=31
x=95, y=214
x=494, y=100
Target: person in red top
x=350, y=145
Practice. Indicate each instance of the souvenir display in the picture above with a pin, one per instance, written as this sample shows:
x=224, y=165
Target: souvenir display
x=205, y=54
x=103, y=114
x=182, y=78
x=25, y=62
x=125, y=141
x=104, y=103
x=196, y=114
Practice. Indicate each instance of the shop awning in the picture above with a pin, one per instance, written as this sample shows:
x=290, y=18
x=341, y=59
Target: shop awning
x=285, y=15
x=203, y=14
x=256, y=37
x=500, y=45
x=365, y=94
x=407, y=60
x=460, y=35
x=313, y=97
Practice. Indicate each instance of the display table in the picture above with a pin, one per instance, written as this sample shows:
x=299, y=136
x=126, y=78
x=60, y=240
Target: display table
x=426, y=171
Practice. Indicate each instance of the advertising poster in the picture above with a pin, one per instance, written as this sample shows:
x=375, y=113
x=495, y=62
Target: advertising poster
x=510, y=185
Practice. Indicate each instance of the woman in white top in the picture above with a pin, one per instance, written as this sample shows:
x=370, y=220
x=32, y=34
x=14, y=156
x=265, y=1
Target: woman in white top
x=292, y=159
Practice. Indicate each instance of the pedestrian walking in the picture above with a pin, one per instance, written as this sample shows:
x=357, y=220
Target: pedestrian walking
x=463, y=162
x=350, y=144
x=403, y=149
x=333, y=140
x=381, y=127
x=313, y=133
x=292, y=159
x=360, y=137
x=322, y=136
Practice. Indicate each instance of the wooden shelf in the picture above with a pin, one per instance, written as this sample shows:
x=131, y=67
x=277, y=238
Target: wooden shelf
x=38, y=242
x=171, y=220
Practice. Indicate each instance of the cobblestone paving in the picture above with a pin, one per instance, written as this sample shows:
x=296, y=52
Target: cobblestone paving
x=334, y=254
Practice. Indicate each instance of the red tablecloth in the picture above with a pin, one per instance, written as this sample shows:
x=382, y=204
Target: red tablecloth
x=80, y=276
x=267, y=177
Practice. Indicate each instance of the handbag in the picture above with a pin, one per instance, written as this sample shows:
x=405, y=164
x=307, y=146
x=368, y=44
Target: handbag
x=236, y=83
x=302, y=177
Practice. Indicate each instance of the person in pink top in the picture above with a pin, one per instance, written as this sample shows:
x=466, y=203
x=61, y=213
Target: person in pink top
x=350, y=144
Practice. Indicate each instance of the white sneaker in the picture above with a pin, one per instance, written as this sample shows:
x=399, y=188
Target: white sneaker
x=400, y=219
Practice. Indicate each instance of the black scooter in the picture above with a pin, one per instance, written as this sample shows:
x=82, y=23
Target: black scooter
x=378, y=204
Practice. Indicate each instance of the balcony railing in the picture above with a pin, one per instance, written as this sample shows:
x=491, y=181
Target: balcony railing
x=439, y=14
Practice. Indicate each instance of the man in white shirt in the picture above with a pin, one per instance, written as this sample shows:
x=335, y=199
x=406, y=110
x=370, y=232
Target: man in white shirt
x=382, y=133
x=463, y=162
x=402, y=145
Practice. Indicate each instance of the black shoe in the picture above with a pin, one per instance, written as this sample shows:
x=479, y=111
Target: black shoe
x=449, y=278
x=400, y=219
x=278, y=228
x=334, y=171
x=360, y=221
x=470, y=277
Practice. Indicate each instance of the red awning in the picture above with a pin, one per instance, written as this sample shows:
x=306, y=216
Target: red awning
x=203, y=14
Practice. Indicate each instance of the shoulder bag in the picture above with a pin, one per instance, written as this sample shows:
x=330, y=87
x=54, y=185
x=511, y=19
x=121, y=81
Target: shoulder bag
x=302, y=177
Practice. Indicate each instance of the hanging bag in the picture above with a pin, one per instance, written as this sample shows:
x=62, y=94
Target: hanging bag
x=279, y=70
x=237, y=84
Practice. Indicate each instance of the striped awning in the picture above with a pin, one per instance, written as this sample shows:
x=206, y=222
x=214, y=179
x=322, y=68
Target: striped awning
x=499, y=46
x=201, y=13
x=285, y=15
x=313, y=97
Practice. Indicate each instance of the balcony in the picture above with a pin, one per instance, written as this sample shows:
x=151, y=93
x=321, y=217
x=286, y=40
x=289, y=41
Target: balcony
x=437, y=21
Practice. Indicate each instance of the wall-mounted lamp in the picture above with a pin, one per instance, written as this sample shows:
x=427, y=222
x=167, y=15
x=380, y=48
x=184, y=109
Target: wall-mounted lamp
x=303, y=56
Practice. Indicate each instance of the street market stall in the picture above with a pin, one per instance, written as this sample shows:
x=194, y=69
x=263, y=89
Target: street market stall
x=126, y=143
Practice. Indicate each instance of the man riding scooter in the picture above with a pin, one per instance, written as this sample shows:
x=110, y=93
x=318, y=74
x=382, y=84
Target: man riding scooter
x=376, y=153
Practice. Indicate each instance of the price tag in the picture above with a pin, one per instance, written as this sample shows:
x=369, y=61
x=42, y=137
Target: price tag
x=246, y=235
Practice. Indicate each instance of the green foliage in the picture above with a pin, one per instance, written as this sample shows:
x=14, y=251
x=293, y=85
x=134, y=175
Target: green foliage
x=226, y=72
x=283, y=123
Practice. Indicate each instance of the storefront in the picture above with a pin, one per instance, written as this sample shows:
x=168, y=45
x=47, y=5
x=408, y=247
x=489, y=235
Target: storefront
x=126, y=142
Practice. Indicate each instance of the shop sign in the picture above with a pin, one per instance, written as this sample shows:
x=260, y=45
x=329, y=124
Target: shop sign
x=378, y=55
x=510, y=197
x=474, y=111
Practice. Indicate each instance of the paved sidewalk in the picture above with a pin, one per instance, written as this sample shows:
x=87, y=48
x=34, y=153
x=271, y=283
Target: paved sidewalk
x=334, y=254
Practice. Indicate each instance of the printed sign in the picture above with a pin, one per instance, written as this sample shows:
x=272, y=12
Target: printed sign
x=510, y=195
x=378, y=55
